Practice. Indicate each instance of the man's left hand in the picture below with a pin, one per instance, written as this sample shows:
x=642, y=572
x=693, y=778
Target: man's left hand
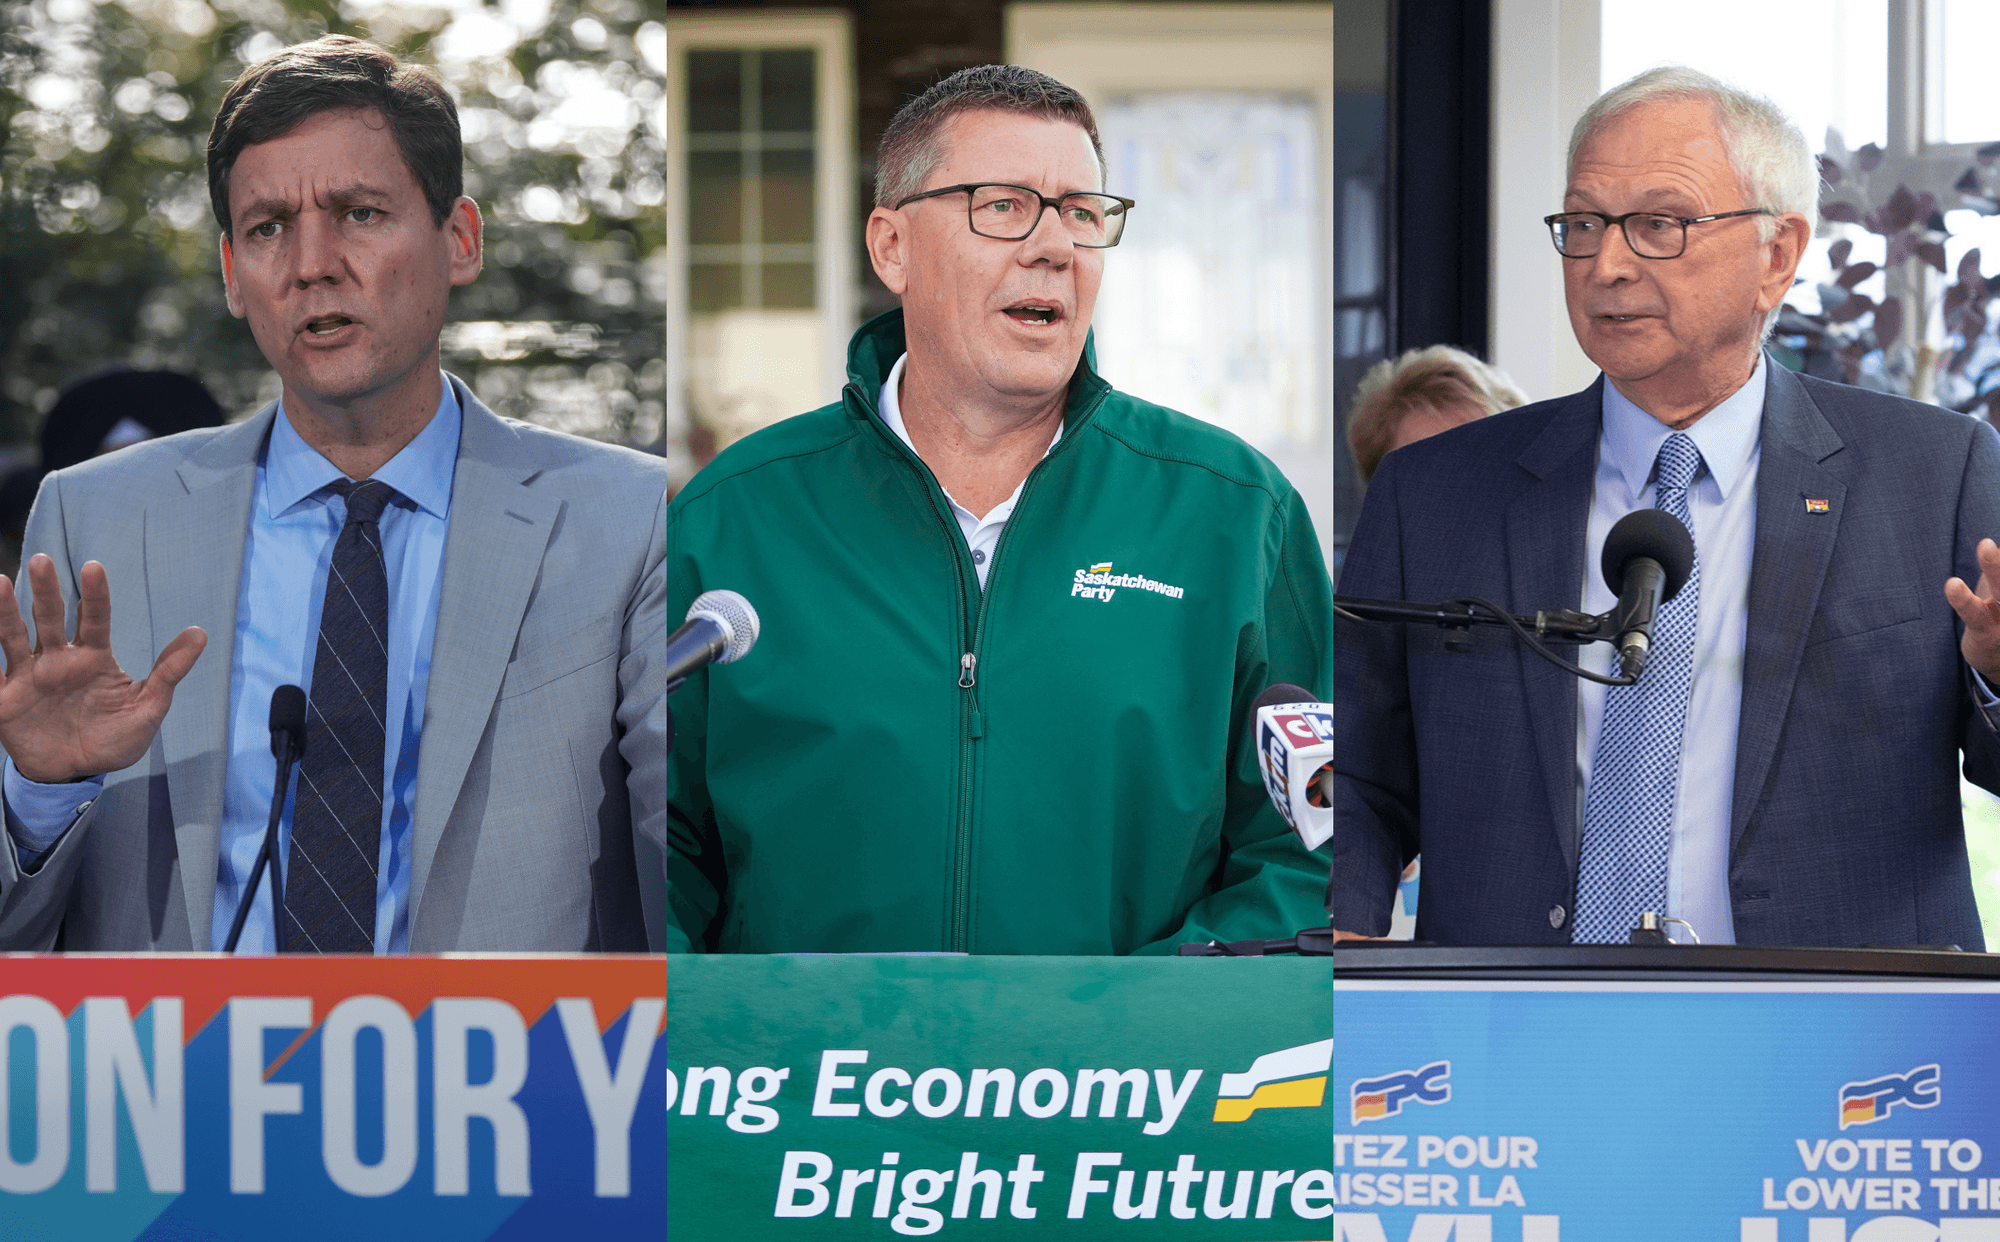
x=1980, y=610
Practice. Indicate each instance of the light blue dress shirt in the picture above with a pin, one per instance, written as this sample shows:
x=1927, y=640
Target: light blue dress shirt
x=1723, y=503
x=294, y=523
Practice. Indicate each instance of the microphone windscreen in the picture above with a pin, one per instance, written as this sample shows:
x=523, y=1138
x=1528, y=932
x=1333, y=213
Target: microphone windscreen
x=734, y=614
x=1284, y=692
x=288, y=716
x=1653, y=533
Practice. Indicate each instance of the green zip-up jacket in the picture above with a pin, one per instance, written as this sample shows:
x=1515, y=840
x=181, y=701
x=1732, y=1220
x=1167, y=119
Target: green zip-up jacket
x=1058, y=765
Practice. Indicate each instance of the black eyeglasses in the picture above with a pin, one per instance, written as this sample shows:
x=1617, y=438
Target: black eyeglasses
x=1012, y=212
x=1580, y=234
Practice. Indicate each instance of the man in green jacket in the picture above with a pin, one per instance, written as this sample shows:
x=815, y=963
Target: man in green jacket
x=1013, y=620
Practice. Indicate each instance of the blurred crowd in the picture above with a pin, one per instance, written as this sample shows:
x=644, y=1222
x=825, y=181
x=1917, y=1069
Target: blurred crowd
x=99, y=413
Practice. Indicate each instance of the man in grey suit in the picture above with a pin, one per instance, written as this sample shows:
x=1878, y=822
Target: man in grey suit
x=1785, y=769
x=474, y=605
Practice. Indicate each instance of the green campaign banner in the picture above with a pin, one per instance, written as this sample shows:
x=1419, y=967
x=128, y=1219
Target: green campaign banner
x=845, y=1097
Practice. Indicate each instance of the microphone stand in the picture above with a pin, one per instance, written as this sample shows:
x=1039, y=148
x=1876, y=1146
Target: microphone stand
x=1563, y=625
x=1318, y=942
x=288, y=754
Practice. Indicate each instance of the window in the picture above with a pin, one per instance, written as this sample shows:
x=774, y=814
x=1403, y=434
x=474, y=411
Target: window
x=750, y=175
x=759, y=299
x=1961, y=105
x=1213, y=300
x=1826, y=67
x=1218, y=119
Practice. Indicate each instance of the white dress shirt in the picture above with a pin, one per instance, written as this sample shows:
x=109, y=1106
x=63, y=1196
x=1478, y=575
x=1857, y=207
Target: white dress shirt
x=982, y=535
x=1723, y=503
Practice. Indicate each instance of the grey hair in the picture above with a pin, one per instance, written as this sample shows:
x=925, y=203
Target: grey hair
x=914, y=144
x=1766, y=150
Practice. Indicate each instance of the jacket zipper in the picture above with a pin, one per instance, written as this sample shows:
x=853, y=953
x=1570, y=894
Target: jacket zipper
x=972, y=725
x=975, y=726
x=957, y=933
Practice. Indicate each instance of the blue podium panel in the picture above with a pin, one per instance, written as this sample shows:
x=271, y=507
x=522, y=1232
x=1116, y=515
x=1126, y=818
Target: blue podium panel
x=1765, y=1110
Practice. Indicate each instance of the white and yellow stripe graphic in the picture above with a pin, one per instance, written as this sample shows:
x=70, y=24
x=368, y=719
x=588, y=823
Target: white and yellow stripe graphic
x=1277, y=1080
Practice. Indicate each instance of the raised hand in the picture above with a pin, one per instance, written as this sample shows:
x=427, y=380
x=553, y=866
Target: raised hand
x=66, y=709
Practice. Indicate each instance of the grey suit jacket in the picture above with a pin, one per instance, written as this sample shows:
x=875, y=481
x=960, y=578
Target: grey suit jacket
x=1844, y=825
x=544, y=737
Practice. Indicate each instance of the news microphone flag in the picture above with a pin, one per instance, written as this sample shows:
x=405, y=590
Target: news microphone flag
x=1294, y=751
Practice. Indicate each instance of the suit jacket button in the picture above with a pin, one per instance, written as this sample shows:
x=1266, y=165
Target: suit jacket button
x=1556, y=916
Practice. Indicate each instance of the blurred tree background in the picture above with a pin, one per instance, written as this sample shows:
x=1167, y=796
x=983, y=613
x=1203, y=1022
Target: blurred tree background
x=108, y=247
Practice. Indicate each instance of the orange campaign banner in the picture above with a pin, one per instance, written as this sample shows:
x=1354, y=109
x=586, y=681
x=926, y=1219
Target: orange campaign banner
x=455, y=1097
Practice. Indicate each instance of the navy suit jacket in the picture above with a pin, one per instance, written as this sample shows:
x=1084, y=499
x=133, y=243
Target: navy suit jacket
x=1845, y=826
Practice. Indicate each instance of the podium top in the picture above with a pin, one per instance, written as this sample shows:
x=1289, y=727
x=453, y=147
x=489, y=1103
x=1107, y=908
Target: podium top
x=1366, y=960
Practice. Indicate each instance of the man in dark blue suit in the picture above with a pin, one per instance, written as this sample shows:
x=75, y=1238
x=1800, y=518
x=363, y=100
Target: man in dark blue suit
x=1786, y=770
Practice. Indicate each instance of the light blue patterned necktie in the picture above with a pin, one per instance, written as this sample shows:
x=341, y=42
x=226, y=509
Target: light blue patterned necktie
x=1628, y=812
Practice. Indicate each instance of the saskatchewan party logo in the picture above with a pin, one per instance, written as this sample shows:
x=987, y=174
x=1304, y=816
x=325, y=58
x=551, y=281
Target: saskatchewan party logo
x=1287, y=1078
x=1376, y=1098
x=1865, y=1102
x=1100, y=581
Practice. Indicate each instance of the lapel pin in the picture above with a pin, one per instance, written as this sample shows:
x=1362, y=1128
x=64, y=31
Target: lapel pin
x=1818, y=506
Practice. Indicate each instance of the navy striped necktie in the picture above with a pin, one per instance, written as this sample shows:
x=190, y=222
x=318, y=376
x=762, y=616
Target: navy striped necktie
x=330, y=879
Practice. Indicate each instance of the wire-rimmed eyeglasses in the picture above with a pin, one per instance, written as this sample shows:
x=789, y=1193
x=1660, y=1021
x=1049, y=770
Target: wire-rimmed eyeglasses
x=1012, y=212
x=1580, y=234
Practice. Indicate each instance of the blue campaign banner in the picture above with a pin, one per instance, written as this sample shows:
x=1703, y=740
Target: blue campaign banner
x=1765, y=1112
x=149, y=1099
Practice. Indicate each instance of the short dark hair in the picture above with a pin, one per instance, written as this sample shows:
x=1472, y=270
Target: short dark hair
x=281, y=91
x=914, y=145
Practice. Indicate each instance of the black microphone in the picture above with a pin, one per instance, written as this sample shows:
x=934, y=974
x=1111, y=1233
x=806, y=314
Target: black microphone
x=288, y=724
x=288, y=746
x=1281, y=692
x=721, y=626
x=1647, y=558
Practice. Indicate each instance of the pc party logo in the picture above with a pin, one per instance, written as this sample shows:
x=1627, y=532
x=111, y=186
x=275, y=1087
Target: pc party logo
x=1375, y=1098
x=1863, y=1103
x=1287, y=1078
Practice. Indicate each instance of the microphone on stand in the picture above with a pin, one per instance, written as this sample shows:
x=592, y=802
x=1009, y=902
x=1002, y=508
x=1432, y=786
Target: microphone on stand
x=288, y=746
x=721, y=626
x=1647, y=558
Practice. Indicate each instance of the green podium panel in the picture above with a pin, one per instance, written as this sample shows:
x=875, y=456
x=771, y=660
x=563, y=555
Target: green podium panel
x=990, y=1097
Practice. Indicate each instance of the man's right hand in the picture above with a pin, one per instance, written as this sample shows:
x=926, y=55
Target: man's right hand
x=66, y=709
